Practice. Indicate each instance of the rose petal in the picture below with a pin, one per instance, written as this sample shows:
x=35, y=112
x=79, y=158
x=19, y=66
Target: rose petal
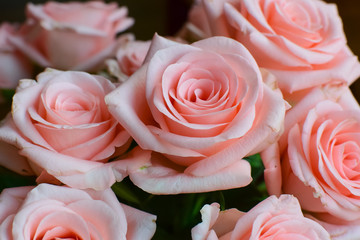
x=159, y=176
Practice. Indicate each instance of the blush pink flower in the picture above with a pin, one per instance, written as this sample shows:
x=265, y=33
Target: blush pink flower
x=319, y=155
x=54, y=212
x=60, y=126
x=301, y=42
x=129, y=57
x=273, y=218
x=71, y=36
x=201, y=109
x=14, y=65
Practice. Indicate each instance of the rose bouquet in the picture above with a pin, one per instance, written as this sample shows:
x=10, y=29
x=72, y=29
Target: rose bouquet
x=241, y=125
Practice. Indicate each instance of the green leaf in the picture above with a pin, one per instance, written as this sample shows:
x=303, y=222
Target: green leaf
x=124, y=192
x=257, y=166
x=8, y=94
x=9, y=179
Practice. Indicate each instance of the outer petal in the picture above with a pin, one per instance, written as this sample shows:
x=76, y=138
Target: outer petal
x=80, y=173
x=10, y=142
x=160, y=176
x=272, y=173
x=11, y=200
x=209, y=215
x=141, y=225
x=344, y=68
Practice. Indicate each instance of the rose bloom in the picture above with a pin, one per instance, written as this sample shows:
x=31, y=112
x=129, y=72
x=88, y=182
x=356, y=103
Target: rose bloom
x=71, y=36
x=129, y=57
x=201, y=109
x=319, y=155
x=53, y=212
x=14, y=65
x=300, y=41
x=60, y=126
x=273, y=218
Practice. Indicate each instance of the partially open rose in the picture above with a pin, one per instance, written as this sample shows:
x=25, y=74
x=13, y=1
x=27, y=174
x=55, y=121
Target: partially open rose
x=319, y=155
x=201, y=108
x=62, y=127
x=301, y=42
x=71, y=36
x=129, y=57
x=54, y=212
x=273, y=218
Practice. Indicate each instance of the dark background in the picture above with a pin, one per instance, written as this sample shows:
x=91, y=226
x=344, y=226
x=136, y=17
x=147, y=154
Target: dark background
x=166, y=16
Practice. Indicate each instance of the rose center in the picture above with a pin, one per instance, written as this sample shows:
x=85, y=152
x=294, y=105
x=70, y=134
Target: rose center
x=201, y=90
x=77, y=102
x=297, y=14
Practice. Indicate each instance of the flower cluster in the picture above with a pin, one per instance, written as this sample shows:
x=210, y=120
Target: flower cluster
x=249, y=94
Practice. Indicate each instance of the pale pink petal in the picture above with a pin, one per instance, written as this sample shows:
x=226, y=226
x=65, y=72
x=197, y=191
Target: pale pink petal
x=158, y=43
x=344, y=68
x=11, y=200
x=10, y=143
x=209, y=215
x=21, y=102
x=272, y=173
x=141, y=225
x=159, y=176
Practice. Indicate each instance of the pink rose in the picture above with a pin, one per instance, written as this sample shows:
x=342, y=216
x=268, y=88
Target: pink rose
x=201, y=109
x=14, y=65
x=54, y=212
x=129, y=57
x=273, y=218
x=319, y=154
x=300, y=41
x=61, y=126
x=71, y=36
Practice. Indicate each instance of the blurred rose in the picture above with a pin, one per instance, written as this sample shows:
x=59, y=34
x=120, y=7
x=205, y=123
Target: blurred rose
x=54, y=212
x=202, y=108
x=62, y=127
x=129, y=57
x=301, y=42
x=14, y=65
x=319, y=153
x=71, y=36
x=197, y=27
x=273, y=218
